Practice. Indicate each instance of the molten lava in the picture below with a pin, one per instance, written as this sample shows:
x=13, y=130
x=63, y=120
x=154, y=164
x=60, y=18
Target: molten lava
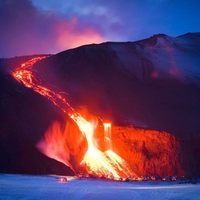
x=95, y=161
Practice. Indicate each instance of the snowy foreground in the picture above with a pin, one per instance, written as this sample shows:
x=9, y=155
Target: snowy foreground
x=50, y=187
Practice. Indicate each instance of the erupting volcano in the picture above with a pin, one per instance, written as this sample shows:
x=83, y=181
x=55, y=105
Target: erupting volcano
x=101, y=163
x=111, y=109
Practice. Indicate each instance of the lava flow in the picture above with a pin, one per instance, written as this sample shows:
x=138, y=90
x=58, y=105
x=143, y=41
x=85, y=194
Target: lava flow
x=95, y=161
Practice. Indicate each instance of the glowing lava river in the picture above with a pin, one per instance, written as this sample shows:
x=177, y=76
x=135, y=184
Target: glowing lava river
x=95, y=161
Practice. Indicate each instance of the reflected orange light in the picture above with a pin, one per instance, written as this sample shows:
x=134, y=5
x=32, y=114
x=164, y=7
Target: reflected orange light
x=54, y=144
x=68, y=37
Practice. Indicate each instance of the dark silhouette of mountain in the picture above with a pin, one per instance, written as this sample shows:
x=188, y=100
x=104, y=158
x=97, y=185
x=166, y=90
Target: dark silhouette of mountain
x=152, y=84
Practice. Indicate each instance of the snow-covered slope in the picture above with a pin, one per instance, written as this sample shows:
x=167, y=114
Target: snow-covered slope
x=162, y=57
x=50, y=188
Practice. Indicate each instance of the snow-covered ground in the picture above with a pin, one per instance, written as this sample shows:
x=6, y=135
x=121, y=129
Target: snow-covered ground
x=164, y=57
x=50, y=187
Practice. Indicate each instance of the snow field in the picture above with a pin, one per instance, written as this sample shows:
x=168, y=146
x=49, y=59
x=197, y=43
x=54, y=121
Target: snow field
x=27, y=187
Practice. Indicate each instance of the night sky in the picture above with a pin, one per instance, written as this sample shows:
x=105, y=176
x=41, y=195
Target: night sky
x=50, y=26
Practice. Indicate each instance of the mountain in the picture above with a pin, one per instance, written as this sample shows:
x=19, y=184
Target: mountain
x=151, y=84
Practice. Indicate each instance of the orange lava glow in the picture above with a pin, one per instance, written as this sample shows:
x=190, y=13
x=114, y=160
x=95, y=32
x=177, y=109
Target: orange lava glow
x=68, y=37
x=101, y=163
x=104, y=163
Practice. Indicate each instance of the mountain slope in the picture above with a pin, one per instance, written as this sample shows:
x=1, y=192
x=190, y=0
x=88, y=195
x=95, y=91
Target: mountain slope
x=147, y=83
x=162, y=57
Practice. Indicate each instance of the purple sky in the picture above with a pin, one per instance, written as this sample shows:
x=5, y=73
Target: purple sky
x=50, y=26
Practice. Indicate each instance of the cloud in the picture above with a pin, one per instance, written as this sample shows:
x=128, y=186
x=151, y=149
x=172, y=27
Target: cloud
x=26, y=30
x=36, y=26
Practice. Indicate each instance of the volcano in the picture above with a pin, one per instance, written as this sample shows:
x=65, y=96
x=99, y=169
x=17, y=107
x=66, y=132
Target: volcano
x=148, y=89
